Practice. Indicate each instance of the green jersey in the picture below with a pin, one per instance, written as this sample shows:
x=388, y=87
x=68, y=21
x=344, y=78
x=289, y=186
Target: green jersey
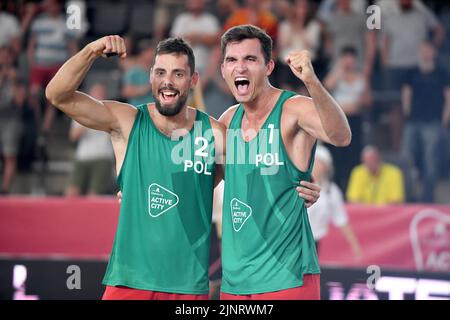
x=163, y=235
x=267, y=242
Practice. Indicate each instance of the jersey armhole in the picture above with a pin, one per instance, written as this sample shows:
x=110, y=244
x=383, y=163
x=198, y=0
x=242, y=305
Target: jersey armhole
x=130, y=137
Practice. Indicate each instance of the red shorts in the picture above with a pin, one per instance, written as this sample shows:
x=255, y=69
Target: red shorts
x=41, y=76
x=125, y=293
x=309, y=291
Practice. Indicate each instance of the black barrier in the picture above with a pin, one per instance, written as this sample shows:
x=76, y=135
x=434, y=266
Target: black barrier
x=62, y=279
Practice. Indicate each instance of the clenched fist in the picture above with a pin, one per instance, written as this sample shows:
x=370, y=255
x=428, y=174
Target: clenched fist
x=109, y=45
x=301, y=66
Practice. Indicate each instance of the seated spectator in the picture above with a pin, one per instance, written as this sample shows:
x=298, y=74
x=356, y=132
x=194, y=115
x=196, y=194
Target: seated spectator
x=402, y=34
x=165, y=13
x=12, y=96
x=346, y=28
x=51, y=43
x=254, y=12
x=330, y=206
x=136, y=84
x=216, y=92
x=328, y=7
x=300, y=31
x=93, y=166
x=10, y=32
x=426, y=106
x=199, y=28
x=351, y=90
x=375, y=182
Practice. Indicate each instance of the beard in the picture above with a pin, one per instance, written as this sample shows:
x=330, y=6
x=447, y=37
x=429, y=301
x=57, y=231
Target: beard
x=173, y=110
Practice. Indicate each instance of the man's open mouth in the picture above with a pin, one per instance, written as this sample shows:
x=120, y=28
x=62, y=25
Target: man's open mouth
x=242, y=85
x=168, y=96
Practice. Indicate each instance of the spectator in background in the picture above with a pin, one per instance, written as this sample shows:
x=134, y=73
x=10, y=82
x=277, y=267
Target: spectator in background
x=223, y=9
x=426, y=106
x=12, y=96
x=328, y=7
x=10, y=32
x=136, y=84
x=346, y=28
x=254, y=12
x=216, y=92
x=50, y=45
x=330, y=206
x=165, y=13
x=375, y=182
x=393, y=7
x=130, y=44
x=351, y=90
x=94, y=159
x=200, y=29
x=300, y=31
x=402, y=34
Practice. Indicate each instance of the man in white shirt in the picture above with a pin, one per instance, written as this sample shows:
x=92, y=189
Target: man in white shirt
x=200, y=29
x=330, y=206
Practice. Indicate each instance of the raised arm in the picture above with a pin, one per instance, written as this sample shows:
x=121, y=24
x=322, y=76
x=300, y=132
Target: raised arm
x=320, y=116
x=62, y=89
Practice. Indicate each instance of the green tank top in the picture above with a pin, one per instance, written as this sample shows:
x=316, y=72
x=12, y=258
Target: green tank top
x=267, y=242
x=163, y=235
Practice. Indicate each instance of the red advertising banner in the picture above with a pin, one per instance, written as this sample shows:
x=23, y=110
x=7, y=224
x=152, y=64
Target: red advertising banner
x=414, y=237
x=58, y=227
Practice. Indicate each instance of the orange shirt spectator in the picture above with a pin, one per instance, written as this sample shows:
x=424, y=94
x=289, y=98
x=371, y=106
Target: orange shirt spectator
x=254, y=14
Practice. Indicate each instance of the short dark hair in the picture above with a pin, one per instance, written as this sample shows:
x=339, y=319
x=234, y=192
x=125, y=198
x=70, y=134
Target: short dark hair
x=177, y=46
x=349, y=50
x=248, y=31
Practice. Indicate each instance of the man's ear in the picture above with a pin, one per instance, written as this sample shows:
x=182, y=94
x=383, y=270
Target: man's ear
x=194, y=79
x=270, y=67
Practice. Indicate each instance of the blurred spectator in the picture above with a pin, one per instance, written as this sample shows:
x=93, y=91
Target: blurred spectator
x=403, y=32
x=12, y=96
x=27, y=11
x=200, y=29
x=50, y=45
x=426, y=105
x=137, y=89
x=351, y=90
x=10, y=32
x=223, y=9
x=254, y=12
x=300, y=31
x=375, y=182
x=93, y=167
x=328, y=7
x=165, y=13
x=130, y=61
x=330, y=206
x=393, y=7
x=346, y=28
x=217, y=94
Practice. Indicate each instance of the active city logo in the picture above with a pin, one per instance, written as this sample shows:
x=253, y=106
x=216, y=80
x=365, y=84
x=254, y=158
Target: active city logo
x=160, y=200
